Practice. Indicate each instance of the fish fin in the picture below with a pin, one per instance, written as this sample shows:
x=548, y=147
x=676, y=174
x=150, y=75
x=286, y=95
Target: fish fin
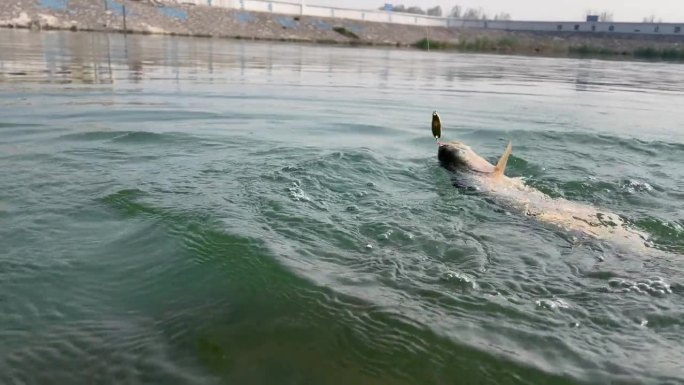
x=501, y=165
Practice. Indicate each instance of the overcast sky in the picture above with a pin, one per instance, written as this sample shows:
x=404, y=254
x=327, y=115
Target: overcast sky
x=623, y=10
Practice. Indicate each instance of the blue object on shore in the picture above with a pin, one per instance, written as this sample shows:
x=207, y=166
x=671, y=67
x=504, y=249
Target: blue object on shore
x=57, y=5
x=287, y=22
x=115, y=7
x=179, y=14
x=320, y=24
x=244, y=17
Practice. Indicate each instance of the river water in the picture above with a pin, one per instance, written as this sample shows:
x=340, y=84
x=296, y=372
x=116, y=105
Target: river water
x=198, y=211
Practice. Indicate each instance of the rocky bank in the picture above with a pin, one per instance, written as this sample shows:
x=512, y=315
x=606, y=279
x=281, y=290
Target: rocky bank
x=153, y=17
x=149, y=17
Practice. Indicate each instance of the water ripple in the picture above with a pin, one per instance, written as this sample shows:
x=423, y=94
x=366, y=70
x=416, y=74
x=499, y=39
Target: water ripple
x=202, y=211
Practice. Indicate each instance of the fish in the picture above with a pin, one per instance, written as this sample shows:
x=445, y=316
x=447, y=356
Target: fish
x=583, y=222
x=436, y=126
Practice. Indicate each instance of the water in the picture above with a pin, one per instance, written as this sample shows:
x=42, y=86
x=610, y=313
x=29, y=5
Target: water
x=197, y=211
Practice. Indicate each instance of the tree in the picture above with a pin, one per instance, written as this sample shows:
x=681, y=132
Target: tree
x=455, y=12
x=436, y=11
x=502, y=16
x=473, y=14
x=606, y=16
x=652, y=19
x=602, y=16
x=415, y=10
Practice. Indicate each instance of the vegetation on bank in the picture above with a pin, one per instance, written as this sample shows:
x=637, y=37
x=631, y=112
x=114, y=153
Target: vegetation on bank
x=484, y=44
x=480, y=44
x=427, y=44
x=662, y=54
x=650, y=53
x=587, y=50
x=521, y=46
x=345, y=32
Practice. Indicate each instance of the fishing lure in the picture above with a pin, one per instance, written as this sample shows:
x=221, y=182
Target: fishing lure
x=436, y=126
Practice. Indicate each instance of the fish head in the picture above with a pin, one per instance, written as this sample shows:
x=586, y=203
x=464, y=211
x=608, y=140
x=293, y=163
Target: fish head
x=457, y=156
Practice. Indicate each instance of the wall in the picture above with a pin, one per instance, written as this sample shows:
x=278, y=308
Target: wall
x=604, y=27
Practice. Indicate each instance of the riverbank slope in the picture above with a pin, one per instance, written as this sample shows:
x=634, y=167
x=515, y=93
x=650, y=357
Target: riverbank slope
x=149, y=17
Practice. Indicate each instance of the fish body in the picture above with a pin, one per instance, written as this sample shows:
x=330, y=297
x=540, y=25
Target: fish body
x=581, y=220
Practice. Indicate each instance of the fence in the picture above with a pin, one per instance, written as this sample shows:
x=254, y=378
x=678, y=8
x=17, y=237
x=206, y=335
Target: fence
x=319, y=11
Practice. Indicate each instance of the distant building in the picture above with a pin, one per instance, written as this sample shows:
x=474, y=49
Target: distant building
x=592, y=18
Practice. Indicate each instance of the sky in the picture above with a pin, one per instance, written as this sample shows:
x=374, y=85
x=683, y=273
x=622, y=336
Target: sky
x=560, y=10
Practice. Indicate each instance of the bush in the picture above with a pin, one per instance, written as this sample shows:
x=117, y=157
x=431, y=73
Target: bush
x=433, y=44
x=587, y=50
x=345, y=32
x=662, y=54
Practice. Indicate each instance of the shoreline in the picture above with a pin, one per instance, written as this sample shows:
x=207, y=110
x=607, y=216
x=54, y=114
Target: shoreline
x=147, y=18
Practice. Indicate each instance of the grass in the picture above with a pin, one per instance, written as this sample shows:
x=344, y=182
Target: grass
x=434, y=44
x=587, y=50
x=480, y=44
x=345, y=32
x=657, y=53
x=513, y=45
x=651, y=53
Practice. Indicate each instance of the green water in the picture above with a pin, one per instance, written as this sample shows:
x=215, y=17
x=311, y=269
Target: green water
x=197, y=211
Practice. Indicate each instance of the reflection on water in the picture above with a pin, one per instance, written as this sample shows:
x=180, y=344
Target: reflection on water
x=96, y=58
